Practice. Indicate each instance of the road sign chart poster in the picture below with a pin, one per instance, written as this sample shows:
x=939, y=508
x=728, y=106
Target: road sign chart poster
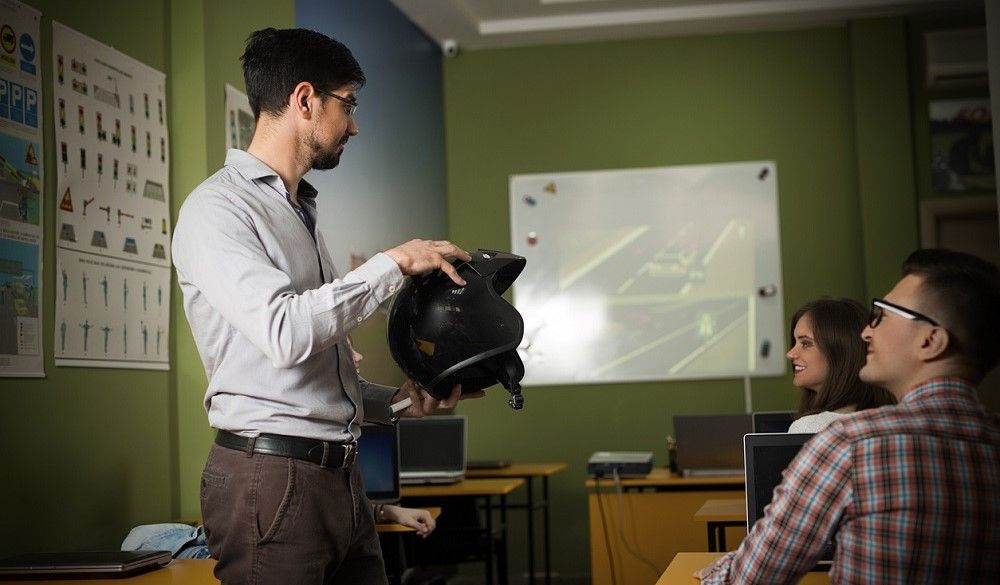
x=663, y=273
x=112, y=197
x=21, y=226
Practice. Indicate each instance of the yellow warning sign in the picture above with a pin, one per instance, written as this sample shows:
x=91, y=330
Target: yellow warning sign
x=30, y=157
x=67, y=201
x=551, y=187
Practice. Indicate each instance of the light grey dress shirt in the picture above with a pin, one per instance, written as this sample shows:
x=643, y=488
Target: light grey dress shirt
x=268, y=312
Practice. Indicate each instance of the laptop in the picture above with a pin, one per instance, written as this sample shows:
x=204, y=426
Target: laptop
x=378, y=457
x=766, y=456
x=88, y=564
x=777, y=421
x=710, y=445
x=431, y=449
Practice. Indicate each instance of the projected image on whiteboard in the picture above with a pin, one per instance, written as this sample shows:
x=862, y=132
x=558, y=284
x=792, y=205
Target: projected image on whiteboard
x=649, y=274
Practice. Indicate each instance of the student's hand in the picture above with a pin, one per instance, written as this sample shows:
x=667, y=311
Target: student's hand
x=424, y=403
x=421, y=256
x=415, y=518
x=703, y=572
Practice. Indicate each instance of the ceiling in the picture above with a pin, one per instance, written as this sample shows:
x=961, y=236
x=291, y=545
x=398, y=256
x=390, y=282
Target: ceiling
x=480, y=24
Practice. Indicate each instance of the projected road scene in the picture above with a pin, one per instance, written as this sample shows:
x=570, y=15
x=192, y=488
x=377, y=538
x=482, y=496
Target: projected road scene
x=648, y=274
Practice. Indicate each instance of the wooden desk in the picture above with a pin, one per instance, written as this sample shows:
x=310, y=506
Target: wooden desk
x=682, y=568
x=655, y=514
x=718, y=514
x=528, y=472
x=178, y=572
x=486, y=489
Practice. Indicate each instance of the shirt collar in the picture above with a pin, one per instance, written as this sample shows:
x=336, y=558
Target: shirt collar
x=944, y=385
x=253, y=169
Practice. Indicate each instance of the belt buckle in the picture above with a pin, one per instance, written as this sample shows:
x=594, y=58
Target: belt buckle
x=350, y=454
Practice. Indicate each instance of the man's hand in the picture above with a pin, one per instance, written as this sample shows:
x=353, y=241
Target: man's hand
x=421, y=256
x=424, y=403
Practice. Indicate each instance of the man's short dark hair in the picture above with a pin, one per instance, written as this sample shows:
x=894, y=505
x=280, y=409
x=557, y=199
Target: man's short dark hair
x=275, y=61
x=963, y=292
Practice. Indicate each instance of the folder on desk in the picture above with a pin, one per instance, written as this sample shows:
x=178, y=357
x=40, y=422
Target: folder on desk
x=86, y=564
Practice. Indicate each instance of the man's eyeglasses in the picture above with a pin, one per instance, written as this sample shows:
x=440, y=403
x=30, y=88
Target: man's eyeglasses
x=352, y=106
x=880, y=306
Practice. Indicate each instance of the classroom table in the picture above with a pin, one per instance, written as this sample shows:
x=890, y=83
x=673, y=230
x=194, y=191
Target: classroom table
x=528, y=472
x=487, y=489
x=718, y=514
x=654, y=517
x=681, y=570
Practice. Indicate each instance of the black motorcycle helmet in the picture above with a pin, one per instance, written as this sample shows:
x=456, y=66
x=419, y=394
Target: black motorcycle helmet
x=441, y=334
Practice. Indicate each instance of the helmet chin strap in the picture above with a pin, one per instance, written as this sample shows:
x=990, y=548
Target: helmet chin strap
x=512, y=384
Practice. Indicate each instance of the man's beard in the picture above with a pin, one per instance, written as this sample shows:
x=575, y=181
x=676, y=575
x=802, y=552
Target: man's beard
x=323, y=160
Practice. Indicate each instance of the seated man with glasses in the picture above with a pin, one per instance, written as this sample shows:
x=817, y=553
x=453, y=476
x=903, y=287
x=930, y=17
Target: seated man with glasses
x=909, y=493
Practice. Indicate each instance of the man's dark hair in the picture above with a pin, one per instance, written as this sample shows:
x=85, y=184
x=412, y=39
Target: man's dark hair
x=962, y=292
x=275, y=61
x=837, y=325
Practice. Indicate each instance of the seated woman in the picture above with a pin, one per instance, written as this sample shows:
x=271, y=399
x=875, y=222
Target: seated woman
x=827, y=353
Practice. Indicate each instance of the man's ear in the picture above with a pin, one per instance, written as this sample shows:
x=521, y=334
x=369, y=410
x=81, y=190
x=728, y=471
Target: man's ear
x=298, y=101
x=934, y=343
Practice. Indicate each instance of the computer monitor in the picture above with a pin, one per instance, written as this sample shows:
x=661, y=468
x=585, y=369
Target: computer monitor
x=432, y=449
x=378, y=456
x=773, y=422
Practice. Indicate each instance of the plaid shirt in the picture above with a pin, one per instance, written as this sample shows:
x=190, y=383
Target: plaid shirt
x=910, y=493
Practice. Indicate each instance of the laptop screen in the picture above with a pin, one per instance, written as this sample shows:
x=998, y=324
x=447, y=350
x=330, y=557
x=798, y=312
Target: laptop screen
x=766, y=456
x=773, y=422
x=378, y=456
x=432, y=445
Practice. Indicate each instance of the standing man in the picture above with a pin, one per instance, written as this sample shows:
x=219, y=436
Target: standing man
x=281, y=497
x=909, y=493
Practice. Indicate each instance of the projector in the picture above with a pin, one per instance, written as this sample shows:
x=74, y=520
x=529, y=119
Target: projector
x=625, y=463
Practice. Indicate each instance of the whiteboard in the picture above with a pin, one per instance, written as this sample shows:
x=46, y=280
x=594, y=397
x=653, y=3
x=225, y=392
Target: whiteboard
x=666, y=273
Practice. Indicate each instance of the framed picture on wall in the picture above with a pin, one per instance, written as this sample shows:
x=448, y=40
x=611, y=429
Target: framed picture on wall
x=962, y=146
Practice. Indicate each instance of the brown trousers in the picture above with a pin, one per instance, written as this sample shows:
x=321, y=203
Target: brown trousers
x=286, y=521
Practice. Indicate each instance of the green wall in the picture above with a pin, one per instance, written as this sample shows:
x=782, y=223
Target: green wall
x=794, y=97
x=88, y=450
x=93, y=452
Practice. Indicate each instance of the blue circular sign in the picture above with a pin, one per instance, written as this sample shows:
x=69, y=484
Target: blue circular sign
x=27, y=47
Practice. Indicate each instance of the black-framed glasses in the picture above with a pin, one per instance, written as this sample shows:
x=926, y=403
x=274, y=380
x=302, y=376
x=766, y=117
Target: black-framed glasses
x=352, y=105
x=880, y=306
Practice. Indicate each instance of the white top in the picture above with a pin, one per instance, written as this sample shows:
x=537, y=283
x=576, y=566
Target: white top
x=814, y=423
x=269, y=314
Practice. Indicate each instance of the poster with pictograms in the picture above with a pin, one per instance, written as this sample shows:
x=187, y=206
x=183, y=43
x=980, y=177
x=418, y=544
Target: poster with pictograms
x=21, y=227
x=112, y=206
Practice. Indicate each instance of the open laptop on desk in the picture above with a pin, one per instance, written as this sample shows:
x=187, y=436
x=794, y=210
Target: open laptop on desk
x=710, y=445
x=378, y=457
x=766, y=455
x=87, y=564
x=431, y=449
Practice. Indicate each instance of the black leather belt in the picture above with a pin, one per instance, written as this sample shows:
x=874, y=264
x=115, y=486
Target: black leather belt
x=322, y=453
